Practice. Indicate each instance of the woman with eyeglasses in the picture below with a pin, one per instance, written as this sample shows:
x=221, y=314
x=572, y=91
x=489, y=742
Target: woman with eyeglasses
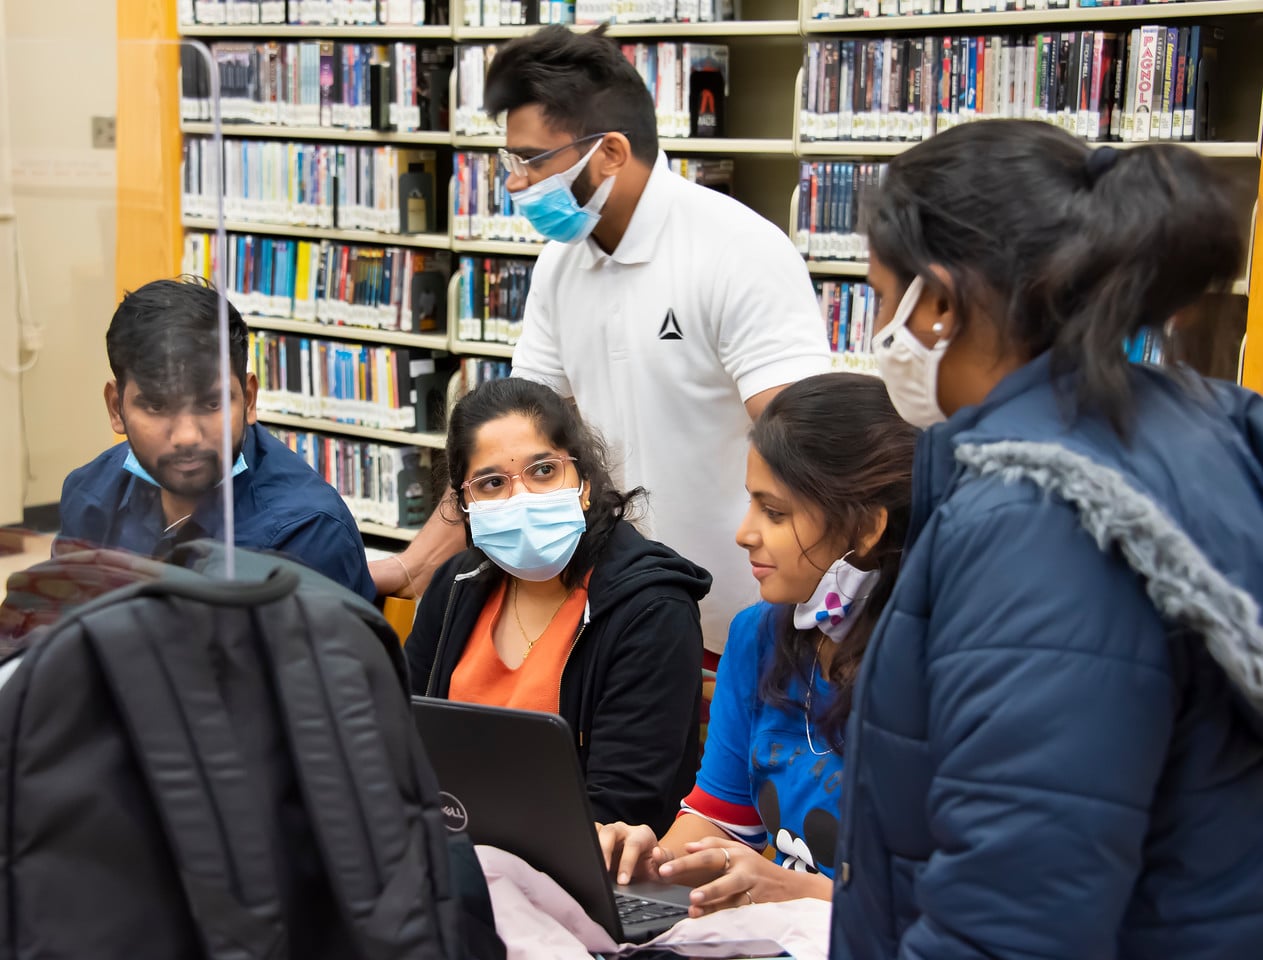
x=560, y=605
x=829, y=474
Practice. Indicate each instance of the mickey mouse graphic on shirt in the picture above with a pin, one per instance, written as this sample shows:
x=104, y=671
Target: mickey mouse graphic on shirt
x=807, y=853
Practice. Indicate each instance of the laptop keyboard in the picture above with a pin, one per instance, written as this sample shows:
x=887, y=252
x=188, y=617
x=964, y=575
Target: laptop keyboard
x=637, y=910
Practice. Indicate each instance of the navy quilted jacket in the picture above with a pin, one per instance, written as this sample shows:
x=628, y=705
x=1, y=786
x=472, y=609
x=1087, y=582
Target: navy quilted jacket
x=1056, y=748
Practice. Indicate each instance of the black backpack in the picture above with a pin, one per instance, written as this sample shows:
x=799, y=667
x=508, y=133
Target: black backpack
x=196, y=767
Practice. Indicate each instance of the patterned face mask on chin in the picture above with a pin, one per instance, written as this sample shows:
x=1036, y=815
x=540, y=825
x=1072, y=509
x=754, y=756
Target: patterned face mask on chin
x=838, y=599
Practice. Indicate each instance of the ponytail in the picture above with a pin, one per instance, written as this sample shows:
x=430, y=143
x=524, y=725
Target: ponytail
x=1064, y=248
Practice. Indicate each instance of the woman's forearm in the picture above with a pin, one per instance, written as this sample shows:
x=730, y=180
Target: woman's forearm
x=802, y=885
x=687, y=828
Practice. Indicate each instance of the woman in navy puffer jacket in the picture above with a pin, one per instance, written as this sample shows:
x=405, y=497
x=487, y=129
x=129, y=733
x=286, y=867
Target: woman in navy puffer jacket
x=1055, y=748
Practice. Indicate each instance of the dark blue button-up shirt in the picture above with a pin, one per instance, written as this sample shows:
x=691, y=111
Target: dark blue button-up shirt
x=279, y=503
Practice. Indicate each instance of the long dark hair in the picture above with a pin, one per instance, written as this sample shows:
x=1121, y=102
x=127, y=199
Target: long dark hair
x=836, y=442
x=1068, y=249
x=559, y=421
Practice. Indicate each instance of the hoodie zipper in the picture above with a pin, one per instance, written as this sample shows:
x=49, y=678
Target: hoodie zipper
x=587, y=612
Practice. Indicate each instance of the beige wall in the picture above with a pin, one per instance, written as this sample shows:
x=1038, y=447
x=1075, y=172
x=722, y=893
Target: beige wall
x=61, y=63
x=11, y=462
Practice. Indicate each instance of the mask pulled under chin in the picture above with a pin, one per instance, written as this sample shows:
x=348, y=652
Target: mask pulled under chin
x=132, y=466
x=837, y=601
x=531, y=536
x=908, y=367
x=553, y=210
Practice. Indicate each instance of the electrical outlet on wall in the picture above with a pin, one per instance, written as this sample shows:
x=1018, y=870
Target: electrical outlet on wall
x=103, y=133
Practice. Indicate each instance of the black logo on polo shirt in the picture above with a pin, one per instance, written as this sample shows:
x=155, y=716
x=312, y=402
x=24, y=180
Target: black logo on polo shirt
x=670, y=329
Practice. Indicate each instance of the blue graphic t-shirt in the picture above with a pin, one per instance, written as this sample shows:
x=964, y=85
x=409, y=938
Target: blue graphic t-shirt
x=762, y=779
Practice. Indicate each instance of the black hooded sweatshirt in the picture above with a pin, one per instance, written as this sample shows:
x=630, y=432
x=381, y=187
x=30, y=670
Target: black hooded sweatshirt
x=631, y=687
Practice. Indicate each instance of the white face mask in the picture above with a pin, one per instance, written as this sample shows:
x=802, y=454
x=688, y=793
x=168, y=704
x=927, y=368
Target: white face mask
x=909, y=367
x=837, y=601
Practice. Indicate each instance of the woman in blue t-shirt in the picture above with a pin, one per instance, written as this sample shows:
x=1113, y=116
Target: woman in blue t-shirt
x=829, y=476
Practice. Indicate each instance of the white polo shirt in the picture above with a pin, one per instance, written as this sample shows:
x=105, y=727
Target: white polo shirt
x=703, y=305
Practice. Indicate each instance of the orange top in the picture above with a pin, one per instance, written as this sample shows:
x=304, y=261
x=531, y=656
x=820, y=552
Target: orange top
x=482, y=677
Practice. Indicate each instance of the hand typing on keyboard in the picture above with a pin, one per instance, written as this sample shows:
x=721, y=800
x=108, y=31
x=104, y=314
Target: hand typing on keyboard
x=631, y=852
x=737, y=876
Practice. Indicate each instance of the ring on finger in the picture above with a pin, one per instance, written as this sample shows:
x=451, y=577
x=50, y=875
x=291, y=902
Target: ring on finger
x=750, y=896
x=727, y=859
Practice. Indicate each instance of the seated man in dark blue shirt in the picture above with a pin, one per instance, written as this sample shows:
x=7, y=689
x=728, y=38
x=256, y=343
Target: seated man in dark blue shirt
x=162, y=487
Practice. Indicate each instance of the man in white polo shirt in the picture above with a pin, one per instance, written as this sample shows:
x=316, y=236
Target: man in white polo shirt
x=669, y=312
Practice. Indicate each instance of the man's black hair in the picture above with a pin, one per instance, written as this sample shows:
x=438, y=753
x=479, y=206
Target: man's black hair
x=581, y=82
x=165, y=337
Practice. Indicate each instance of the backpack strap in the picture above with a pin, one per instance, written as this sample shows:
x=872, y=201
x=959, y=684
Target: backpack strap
x=389, y=879
x=163, y=684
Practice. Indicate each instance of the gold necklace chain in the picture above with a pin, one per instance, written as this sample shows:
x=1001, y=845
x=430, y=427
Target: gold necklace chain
x=530, y=643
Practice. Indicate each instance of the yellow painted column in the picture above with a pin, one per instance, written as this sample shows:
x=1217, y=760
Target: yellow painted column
x=1252, y=362
x=149, y=236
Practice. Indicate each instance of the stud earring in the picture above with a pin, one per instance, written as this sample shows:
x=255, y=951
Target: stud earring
x=937, y=329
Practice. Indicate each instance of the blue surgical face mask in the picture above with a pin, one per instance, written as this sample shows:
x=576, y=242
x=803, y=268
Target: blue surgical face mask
x=553, y=210
x=132, y=466
x=531, y=536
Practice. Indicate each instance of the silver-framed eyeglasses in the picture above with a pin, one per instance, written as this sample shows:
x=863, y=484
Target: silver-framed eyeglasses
x=521, y=166
x=542, y=476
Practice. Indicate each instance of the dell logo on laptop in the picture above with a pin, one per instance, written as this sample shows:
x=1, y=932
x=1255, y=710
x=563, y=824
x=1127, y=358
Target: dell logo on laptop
x=454, y=816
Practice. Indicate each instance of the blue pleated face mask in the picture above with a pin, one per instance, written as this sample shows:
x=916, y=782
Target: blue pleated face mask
x=531, y=536
x=132, y=466
x=553, y=210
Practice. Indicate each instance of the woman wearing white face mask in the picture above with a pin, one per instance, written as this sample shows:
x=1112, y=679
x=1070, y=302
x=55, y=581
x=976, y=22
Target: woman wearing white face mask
x=560, y=605
x=1057, y=737
x=829, y=476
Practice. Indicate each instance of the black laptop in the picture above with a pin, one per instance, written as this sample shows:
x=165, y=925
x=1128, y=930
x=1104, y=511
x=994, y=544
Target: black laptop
x=511, y=779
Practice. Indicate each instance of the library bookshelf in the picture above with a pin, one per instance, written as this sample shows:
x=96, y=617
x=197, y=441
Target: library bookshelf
x=766, y=70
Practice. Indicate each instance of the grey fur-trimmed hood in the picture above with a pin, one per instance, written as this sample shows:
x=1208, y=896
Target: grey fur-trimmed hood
x=1180, y=579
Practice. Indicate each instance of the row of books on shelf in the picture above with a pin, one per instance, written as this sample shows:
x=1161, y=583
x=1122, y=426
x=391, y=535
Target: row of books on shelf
x=492, y=299
x=831, y=195
x=849, y=310
x=708, y=171
x=843, y=9
x=469, y=118
x=518, y=13
x=321, y=12
x=482, y=206
x=385, y=188
x=384, y=387
x=401, y=87
x=381, y=483
x=654, y=11
x=688, y=82
x=369, y=285
x=326, y=281
x=1154, y=83
x=475, y=371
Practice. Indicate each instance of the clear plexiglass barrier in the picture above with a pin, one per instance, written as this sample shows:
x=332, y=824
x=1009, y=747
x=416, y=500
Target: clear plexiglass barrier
x=128, y=400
